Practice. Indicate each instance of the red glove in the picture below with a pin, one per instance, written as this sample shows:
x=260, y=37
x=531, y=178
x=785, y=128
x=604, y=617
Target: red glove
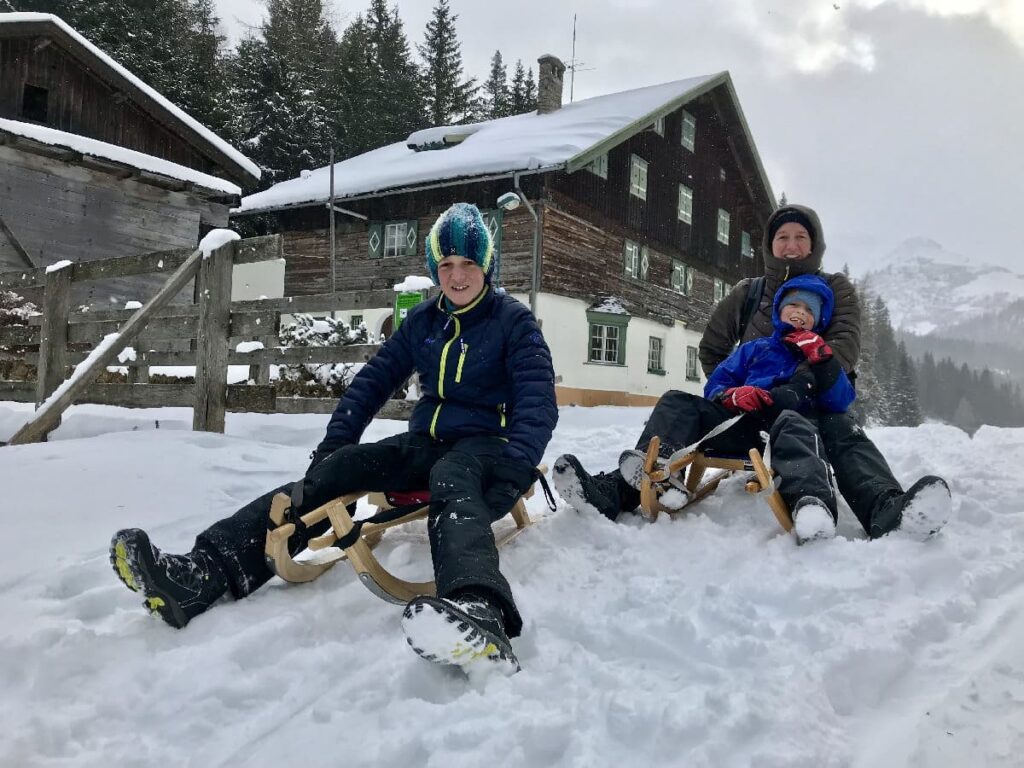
x=745, y=399
x=810, y=345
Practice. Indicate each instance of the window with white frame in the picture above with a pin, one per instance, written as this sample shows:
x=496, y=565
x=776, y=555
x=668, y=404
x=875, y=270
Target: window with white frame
x=394, y=239
x=631, y=259
x=682, y=277
x=688, y=137
x=659, y=126
x=720, y=290
x=691, y=364
x=604, y=343
x=721, y=174
x=723, y=226
x=746, y=249
x=638, y=177
x=599, y=166
x=685, y=206
x=655, y=355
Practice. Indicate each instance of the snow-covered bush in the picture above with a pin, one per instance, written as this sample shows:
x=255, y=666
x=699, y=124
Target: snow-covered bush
x=15, y=310
x=313, y=379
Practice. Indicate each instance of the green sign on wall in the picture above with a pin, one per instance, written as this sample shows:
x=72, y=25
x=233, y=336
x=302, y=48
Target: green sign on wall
x=404, y=301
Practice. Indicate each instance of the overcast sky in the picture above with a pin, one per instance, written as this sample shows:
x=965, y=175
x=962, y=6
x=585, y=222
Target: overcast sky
x=893, y=118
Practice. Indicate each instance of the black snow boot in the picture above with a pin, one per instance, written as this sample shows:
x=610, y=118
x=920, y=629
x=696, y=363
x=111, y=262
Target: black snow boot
x=467, y=631
x=177, y=588
x=812, y=520
x=605, y=492
x=920, y=513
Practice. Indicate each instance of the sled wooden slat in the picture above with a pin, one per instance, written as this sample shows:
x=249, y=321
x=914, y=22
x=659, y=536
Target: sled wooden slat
x=764, y=477
x=700, y=483
x=371, y=573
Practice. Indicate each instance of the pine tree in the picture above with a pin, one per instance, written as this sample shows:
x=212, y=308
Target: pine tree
x=517, y=91
x=782, y=200
x=496, y=87
x=281, y=89
x=449, y=98
x=395, y=78
x=530, y=92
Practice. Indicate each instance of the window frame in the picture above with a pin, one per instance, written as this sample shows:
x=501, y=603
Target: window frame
x=599, y=166
x=723, y=234
x=688, y=132
x=35, y=103
x=656, y=355
x=631, y=259
x=638, y=167
x=607, y=320
x=692, y=364
x=685, y=287
x=659, y=125
x=746, y=244
x=685, y=193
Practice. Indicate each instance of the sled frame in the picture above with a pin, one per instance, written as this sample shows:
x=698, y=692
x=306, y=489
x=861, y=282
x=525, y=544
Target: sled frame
x=699, y=482
x=374, y=576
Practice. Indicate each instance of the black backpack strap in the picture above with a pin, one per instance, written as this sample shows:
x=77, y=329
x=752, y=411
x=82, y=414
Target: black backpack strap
x=754, y=293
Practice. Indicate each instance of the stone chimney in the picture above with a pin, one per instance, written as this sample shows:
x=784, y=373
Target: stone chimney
x=549, y=83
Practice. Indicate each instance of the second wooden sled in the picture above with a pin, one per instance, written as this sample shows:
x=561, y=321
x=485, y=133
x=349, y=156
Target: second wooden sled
x=371, y=573
x=698, y=483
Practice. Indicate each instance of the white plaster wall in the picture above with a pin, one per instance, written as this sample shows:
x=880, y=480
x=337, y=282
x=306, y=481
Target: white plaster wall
x=262, y=280
x=564, y=322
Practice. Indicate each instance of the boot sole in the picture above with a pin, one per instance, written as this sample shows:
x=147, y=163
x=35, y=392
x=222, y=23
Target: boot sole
x=134, y=565
x=928, y=512
x=439, y=632
x=567, y=482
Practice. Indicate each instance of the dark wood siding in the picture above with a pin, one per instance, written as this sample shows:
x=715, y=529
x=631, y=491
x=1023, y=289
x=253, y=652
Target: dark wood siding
x=584, y=261
x=81, y=103
x=307, y=239
x=655, y=222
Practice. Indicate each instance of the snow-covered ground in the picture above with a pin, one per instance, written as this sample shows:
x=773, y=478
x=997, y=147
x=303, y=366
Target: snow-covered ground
x=708, y=640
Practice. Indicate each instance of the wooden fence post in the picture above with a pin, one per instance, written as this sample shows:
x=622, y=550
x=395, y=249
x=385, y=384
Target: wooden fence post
x=53, y=334
x=213, y=287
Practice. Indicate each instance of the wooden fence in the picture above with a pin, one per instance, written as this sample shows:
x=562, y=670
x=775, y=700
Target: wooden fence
x=204, y=334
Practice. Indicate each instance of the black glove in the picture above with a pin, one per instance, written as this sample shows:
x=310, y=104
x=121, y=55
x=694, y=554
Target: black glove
x=795, y=395
x=321, y=452
x=509, y=479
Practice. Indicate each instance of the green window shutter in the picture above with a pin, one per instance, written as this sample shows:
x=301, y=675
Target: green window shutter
x=411, y=237
x=375, y=240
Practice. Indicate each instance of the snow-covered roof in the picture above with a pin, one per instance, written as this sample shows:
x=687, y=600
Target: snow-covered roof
x=566, y=139
x=116, y=154
x=216, y=142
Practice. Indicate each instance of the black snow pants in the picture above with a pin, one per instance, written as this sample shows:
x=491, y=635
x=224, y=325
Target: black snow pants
x=458, y=476
x=798, y=453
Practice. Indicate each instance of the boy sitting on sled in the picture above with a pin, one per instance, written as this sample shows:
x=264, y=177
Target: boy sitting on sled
x=486, y=414
x=760, y=380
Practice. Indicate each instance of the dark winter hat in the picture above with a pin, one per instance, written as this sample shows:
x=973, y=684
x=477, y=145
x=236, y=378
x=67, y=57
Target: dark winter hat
x=810, y=298
x=791, y=215
x=460, y=231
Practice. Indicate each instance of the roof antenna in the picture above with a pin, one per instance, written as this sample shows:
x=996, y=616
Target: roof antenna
x=574, y=65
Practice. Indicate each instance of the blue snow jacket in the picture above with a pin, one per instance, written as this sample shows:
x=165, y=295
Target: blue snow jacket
x=767, y=362
x=485, y=370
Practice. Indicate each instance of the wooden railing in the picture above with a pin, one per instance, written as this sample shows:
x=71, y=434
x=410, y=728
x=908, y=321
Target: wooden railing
x=204, y=334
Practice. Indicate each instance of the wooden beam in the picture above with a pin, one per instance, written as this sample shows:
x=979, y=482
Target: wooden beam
x=43, y=421
x=18, y=248
x=214, y=290
x=53, y=333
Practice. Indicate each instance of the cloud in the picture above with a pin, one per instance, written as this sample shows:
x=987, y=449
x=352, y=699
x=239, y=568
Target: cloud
x=817, y=36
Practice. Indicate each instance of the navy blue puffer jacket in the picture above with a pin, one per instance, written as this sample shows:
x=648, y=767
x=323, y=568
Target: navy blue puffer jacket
x=767, y=361
x=485, y=370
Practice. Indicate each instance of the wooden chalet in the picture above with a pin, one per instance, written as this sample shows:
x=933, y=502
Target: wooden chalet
x=95, y=163
x=649, y=206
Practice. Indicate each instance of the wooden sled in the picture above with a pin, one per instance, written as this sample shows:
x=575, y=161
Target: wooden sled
x=372, y=574
x=699, y=483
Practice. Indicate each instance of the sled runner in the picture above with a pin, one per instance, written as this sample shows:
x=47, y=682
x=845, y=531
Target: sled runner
x=688, y=474
x=354, y=540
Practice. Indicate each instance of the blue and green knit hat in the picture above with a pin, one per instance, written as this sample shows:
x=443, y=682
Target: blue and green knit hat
x=460, y=231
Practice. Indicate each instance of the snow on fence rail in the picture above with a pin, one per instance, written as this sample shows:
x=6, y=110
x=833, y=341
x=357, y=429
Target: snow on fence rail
x=206, y=335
